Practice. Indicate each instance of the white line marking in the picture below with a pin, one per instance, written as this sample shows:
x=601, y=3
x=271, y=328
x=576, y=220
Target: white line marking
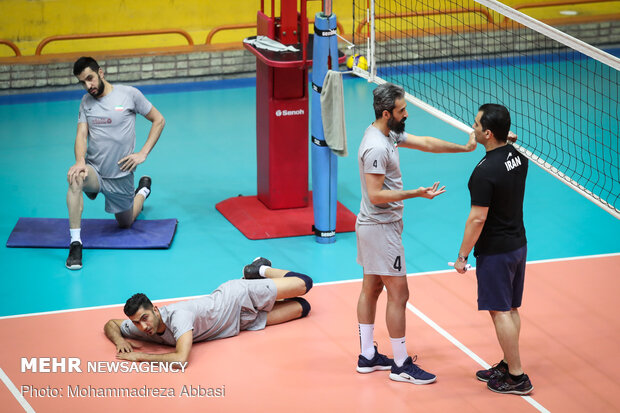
x=316, y=285
x=22, y=401
x=20, y=398
x=465, y=350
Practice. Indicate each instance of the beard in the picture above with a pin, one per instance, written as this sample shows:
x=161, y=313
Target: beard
x=99, y=90
x=397, y=127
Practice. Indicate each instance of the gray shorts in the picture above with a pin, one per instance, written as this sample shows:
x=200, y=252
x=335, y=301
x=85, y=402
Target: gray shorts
x=257, y=298
x=380, y=248
x=118, y=192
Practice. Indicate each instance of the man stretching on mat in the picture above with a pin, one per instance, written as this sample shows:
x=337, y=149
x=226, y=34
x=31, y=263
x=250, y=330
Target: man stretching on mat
x=104, y=151
x=379, y=227
x=265, y=296
x=495, y=228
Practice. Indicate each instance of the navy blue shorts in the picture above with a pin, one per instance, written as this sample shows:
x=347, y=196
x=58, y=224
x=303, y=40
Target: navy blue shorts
x=500, y=280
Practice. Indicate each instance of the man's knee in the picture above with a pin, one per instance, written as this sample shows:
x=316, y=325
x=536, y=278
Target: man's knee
x=306, y=279
x=76, y=184
x=374, y=290
x=398, y=294
x=124, y=219
x=305, y=305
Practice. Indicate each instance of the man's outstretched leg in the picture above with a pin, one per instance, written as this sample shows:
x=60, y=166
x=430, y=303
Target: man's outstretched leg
x=514, y=381
x=83, y=182
x=404, y=369
x=369, y=359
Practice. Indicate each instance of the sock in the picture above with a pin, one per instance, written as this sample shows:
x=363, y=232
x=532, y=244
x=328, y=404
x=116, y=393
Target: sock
x=399, y=347
x=367, y=332
x=262, y=269
x=516, y=379
x=144, y=191
x=75, y=234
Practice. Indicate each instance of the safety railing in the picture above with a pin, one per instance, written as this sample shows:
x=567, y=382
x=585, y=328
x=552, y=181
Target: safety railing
x=82, y=36
x=240, y=26
x=552, y=3
x=12, y=46
x=360, y=27
x=484, y=11
x=423, y=13
x=565, y=19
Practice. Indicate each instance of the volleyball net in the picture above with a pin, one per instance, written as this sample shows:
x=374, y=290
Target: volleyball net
x=453, y=56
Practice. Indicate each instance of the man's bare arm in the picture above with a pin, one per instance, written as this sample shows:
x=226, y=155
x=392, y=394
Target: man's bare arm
x=378, y=195
x=435, y=145
x=112, y=331
x=181, y=353
x=130, y=162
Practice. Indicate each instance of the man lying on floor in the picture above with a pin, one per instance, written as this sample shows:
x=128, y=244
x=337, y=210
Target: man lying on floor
x=247, y=304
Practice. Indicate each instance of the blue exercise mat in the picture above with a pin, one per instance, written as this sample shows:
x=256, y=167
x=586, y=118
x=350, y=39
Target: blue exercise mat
x=96, y=233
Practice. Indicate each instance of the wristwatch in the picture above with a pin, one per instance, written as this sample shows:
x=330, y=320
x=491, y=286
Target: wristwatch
x=462, y=258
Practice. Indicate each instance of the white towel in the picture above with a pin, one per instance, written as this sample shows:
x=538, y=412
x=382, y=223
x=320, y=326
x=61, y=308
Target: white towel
x=332, y=112
x=264, y=42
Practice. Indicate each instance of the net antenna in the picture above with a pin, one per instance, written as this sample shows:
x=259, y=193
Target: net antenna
x=562, y=92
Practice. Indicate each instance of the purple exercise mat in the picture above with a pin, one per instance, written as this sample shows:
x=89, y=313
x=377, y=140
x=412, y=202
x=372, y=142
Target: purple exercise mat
x=96, y=233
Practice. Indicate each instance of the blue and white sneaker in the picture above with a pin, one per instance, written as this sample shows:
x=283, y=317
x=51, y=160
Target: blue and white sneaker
x=378, y=362
x=411, y=373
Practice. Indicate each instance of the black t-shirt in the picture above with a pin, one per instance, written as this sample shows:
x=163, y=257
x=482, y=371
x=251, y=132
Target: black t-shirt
x=498, y=182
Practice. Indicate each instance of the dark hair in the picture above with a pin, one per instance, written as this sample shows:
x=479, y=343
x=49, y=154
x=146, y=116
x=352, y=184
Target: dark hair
x=385, y=96
x=496, y=119
x=84, y=62
x=135, y=302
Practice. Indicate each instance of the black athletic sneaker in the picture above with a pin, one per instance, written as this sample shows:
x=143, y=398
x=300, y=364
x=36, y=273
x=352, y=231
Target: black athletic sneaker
x=378, y=362
x=145, y=181
x=497, y=371
x=250, y=271
x=506, y=385
x=410, y=372
x=74, y=262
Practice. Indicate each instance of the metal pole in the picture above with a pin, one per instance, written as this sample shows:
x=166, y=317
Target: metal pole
x=327, y=8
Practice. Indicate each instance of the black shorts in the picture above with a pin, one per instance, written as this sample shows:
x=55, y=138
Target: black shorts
x=500, y=280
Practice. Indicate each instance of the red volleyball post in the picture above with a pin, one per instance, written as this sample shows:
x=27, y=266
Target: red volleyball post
x=282, y=108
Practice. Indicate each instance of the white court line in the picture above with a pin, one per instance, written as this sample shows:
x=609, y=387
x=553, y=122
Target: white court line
x=417, y=312
x=316, y=285
x=20, y=398
x=465, y=350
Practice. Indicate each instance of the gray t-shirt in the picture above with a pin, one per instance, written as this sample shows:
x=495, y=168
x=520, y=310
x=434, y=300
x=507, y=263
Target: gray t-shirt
x=111, y=127
x=235, y=305
x=378, y=154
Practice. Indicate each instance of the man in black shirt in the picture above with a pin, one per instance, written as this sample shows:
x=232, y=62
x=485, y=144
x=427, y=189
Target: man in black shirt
x=495, y=228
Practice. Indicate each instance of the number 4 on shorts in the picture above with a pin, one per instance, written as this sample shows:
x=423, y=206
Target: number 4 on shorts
x=397, y=265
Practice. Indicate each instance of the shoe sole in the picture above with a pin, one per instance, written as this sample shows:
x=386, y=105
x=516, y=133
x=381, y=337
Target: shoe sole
x=365, y=370
x=408, y=379
x=258, y=258
x=74, y=267
x=517, y=392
